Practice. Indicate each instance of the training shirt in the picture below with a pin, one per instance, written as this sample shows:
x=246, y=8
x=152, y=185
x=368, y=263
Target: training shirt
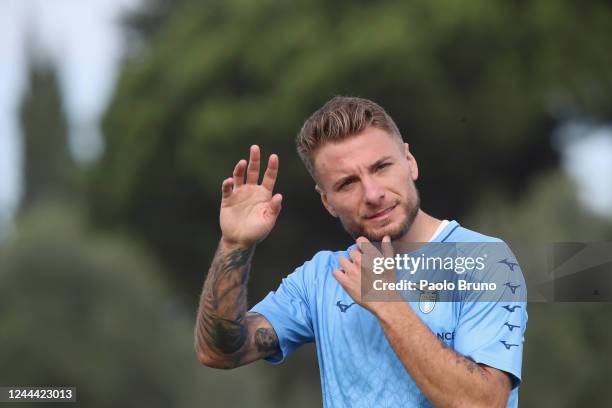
x=358, y=367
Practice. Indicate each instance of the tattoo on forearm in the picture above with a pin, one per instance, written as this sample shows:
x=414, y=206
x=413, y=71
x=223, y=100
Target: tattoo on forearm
x=237, y=259
x=266, y=340
x=468, y=363
x=471, y=366
x=221, y=317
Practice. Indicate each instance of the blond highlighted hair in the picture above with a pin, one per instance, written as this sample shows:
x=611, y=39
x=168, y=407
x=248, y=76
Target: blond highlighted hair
x=340, y=118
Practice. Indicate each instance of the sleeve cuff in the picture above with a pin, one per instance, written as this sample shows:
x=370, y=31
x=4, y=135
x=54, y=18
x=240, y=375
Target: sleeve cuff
x=494, y=362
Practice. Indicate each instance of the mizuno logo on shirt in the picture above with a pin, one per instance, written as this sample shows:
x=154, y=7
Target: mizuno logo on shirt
x=343, y=308
x=512, y=287
x=510, y=326
x=509, y=264
x=511, y=309
x=508, y=346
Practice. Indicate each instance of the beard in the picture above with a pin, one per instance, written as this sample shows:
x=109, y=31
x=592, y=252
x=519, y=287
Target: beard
x=395, y=232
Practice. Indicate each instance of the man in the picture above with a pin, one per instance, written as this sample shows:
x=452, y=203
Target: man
x=371, y=353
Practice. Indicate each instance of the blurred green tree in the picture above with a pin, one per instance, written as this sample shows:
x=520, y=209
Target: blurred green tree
x=143, y=24
x=48, y=166
x=88, y=310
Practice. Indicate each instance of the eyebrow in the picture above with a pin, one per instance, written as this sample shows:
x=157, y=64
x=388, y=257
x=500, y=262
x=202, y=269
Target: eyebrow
x=379, y=162
x=371, y=168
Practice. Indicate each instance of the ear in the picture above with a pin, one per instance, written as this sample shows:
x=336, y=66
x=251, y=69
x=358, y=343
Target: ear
x=412, y=163
x=325, y=201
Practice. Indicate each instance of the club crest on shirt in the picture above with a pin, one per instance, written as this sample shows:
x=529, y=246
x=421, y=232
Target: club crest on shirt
x=427, y=301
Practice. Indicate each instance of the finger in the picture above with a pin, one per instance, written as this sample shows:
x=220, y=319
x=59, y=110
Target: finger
x=367, y=249
x=387, y=248
x=269, y=178
x=346, y=264
x=226, y=187
x=253, y=168
x=362, y=243
x=340, y=276
x=275, y=203
x=239, y=173
x=356, y=257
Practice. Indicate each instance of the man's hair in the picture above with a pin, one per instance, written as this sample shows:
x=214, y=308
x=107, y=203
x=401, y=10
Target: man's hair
x=340, y=118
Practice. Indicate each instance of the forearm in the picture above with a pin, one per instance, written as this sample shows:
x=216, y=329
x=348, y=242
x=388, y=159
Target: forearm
x=221, y=328
x=444, y=376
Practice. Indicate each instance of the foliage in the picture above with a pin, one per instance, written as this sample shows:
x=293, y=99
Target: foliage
x=88, y=310
x=91, y=309
x=45, y=138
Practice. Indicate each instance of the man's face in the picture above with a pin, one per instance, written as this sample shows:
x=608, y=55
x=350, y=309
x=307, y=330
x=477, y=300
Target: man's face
x=367, y=181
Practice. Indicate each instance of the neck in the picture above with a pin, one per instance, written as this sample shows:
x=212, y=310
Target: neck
x=422, y=228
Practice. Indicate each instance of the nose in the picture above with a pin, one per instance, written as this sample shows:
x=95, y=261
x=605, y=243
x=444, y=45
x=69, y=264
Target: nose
x=373, y=192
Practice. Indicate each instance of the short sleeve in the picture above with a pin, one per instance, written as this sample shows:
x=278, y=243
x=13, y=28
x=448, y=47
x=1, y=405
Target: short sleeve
x=491, y=331
x=288, y=311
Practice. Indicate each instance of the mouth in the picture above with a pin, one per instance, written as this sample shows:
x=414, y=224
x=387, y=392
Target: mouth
x=381, y=215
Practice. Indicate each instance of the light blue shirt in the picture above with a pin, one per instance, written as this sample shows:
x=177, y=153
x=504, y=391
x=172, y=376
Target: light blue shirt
x=358, y=367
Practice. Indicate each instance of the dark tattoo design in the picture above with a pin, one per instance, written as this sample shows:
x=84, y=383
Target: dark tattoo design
x=468, y=363
x=237, y=259
x=221, y=317
x=223, y=327
x=228, y=336
x=471, y=366
x=266, y=340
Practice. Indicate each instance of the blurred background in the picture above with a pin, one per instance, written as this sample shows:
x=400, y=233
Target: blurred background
x=120, y=118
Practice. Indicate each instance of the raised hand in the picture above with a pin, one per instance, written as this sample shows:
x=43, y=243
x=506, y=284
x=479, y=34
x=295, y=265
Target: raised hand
x=248, y=209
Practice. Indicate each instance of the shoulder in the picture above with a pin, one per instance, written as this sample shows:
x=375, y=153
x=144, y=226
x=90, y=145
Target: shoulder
x=462, y=234
x=314, y=274
x=499, y=264
x=324, y=260
x=321, y=264
x=468, y=240
x=479, y=242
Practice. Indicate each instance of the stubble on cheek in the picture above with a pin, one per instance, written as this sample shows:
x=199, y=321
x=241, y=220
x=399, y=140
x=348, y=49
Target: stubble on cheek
x=375, y=232
x=395, y=229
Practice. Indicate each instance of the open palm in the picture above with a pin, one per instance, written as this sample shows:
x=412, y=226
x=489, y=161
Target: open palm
x=249, y=210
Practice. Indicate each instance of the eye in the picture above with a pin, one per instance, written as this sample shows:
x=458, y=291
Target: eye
x=382, y=166
x=345, y=184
